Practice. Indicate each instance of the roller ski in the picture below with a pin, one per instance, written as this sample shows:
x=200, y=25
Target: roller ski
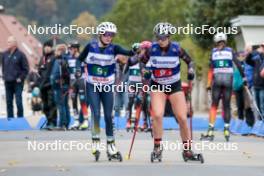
x=145, y=127
x=75, y=125
x=209, y=136
x=188, y=155
x=156, y=155
x=96, y=149
x=131, y=126
x=128, y=126
x=227, y=134
x=112, y=153
x=84, y=125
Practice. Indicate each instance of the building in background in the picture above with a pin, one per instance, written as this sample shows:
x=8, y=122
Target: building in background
x=251, y=30
x=9, y=25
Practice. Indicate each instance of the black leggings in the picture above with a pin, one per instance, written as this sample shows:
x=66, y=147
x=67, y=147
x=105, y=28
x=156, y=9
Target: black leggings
x=224, y=93
x=241, y=106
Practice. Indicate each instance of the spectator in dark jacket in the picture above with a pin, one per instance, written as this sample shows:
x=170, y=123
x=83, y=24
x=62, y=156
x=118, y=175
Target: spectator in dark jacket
x=45, y=67
x=256, y=58
x=262, y=70
x=15, y=69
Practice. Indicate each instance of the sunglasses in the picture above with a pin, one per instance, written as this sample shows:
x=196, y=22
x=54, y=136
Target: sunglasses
x=162, y=38
x=109, y=34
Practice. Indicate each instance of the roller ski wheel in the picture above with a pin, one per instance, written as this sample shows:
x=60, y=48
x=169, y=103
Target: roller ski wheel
x=112, y=153
x=206, y=137
x=84, y=126
x=156, y=155
x=116, y=156
x=209, y=136
x=96, y=155
x=75, y=125
x=74, y=128
x=128, y=126
x=190, y=156
x=129, y=129
x=96, y=149
x=146, y=130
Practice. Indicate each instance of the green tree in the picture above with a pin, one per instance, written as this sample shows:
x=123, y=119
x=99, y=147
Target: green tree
x=136, y=19
x=85, y=19
x=218, y=13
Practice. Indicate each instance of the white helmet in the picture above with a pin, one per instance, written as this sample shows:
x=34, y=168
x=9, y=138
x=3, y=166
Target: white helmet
x=107, y=27
x=220, y=37
x=162, y=28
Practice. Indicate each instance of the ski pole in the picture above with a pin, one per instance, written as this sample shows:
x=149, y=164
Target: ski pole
x=253, y=102
x=138, y=111
x=191, y=109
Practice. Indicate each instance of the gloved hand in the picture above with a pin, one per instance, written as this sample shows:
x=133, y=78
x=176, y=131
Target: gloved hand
x=135, y=47
x=190, y=74
x=18, y=80
x=78, y=74
x=245, y=81
x=208, y=88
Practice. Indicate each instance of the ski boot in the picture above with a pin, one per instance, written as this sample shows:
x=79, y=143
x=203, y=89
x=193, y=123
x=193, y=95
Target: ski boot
x=75, y=125
x=209, y=136
x=84, y=125
x=156, y=154
x=144, y=127
x=226, y=133
x=112, y=153
x=50, y=127
x=189, y=155
x=95, y=149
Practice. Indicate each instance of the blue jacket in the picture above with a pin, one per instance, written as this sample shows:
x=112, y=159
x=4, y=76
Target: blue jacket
x=60, y=74
x=255, y=59
x=14, y=66
x=249, y=72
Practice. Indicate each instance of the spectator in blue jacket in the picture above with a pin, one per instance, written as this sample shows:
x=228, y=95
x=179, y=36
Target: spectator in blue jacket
x=262, y=70
x=60, y=82
x=15, y=69
x=255, y=59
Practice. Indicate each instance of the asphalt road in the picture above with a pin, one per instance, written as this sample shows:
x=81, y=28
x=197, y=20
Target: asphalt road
x=245, y=156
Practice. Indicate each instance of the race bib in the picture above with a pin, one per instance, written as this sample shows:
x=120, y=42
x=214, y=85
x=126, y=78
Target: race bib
x=159, y=73
x=100, y=71
x=222, y=64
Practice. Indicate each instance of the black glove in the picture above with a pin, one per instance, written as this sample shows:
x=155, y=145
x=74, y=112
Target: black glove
x=245, y=81
x=78, y=74
x=190, y=74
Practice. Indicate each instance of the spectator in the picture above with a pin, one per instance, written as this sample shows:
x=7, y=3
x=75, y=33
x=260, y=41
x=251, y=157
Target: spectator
x=243, y=106
x=15, y=69
x=60, y=82
x=45, y=66
x=262, y=70
x=121, y=77
x=256, y=58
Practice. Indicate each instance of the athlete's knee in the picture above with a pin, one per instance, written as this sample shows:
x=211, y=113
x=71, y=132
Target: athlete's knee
x=157, y=115
x=182, y=120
